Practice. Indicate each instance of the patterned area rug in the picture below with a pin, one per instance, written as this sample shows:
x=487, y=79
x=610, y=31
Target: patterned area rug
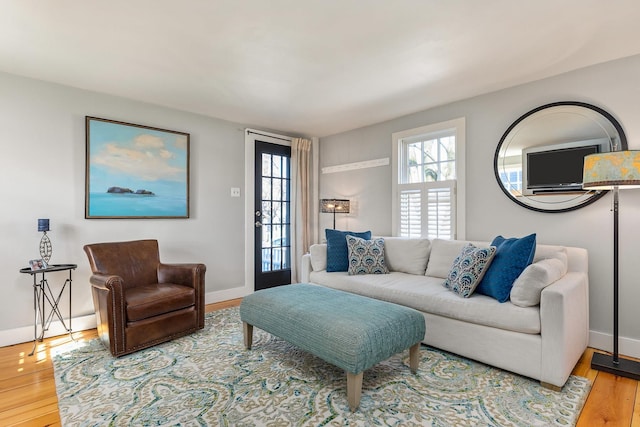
x=209, y=379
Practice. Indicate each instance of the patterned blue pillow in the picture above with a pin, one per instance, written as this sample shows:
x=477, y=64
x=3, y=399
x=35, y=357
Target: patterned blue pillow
x=512, y=257
x=468, y=269
x=337, y=254
x=366, y=256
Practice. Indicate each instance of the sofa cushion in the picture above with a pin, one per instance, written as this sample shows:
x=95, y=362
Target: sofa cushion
x=512, y=257
x=366, y=256
x=528, y=286
x=318, y=254
x=337, y=253
x=427, y=294
x=468, y=269
x=443, y=252
x=407, y=255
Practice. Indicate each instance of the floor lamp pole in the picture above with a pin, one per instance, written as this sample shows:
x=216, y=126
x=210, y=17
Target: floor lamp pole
x=603, y=362
x=616, y=276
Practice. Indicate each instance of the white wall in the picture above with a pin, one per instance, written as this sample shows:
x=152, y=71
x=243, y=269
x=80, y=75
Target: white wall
x=613, y=86
x=42, y=175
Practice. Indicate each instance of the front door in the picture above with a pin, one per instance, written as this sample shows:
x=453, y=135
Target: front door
x=272, y=215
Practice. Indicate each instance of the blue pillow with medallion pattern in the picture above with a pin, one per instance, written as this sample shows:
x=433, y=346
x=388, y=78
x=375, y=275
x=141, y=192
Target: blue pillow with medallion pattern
x=337, y=252
x=468, y=269
x=366, y=256
x=512, y=257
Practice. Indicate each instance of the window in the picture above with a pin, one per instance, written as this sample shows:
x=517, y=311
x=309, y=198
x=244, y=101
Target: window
x=428, y=199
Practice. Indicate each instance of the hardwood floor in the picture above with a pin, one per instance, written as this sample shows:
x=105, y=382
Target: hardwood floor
x=28, y=392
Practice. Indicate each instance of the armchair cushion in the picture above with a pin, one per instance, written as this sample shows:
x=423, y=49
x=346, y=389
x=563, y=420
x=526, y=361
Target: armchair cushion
x=148, y=301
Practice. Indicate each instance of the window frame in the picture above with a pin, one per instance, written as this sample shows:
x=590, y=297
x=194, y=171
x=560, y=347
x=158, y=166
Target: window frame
x=433, y=130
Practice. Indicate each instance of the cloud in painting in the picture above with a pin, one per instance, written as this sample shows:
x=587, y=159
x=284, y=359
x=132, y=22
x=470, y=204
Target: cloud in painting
x=146, y=158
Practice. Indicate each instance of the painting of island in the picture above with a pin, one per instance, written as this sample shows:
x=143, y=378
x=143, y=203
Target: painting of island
x=135, y=171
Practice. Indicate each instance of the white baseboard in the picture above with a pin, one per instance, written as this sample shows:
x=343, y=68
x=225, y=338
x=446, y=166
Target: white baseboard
x=227, y=294
x=82, y=323
x=25, y=333
x=626, y=346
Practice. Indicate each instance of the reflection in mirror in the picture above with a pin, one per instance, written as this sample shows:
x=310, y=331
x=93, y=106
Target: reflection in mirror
x=539, y=160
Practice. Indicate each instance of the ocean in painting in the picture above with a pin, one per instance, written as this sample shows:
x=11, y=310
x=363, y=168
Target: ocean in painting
x=110, y=204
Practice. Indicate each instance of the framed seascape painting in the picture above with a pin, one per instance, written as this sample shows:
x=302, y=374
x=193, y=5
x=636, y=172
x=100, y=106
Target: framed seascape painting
x=135, y=171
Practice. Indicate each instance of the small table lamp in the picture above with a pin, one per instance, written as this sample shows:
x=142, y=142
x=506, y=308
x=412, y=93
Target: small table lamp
x=45, y=244
x=611, y=171
x=333, y=206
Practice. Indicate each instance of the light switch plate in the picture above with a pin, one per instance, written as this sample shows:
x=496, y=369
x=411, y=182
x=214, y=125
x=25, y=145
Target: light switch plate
x=235, y=192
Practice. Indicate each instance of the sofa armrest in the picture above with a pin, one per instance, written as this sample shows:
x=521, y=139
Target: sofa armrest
x=564, y=317
x=305, y=270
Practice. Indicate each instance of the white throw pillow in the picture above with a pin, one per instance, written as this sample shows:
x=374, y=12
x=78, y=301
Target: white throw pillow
x=443, y=253
x=528, y=286
x=407, y=255
x=318, y=256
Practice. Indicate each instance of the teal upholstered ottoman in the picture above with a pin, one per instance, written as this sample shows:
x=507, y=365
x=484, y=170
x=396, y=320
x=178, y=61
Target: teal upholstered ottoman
x=349, y=331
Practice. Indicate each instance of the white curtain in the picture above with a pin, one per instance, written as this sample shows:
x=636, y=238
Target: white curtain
x=301, y=203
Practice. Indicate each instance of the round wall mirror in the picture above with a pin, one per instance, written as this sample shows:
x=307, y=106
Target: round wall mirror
x=539, y=160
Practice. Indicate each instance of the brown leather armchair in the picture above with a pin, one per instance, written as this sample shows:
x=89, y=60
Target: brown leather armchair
x=139, y=301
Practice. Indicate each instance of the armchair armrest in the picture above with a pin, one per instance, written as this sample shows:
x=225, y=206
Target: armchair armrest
x=191, y=275
x=108, y=300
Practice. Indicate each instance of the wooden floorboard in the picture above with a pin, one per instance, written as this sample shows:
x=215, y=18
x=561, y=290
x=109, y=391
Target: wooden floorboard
x=28, y=395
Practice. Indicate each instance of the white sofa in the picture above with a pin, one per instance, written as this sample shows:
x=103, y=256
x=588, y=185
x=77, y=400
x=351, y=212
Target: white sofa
x=542, y=340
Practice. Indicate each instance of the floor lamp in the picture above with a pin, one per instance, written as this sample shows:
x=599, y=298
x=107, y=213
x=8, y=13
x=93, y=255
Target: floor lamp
x=333, y=206
x=611, y=171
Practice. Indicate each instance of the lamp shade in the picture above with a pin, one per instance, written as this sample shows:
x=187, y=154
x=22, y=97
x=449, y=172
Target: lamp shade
x=603, y=171
x=43, y=224
x=334, y=205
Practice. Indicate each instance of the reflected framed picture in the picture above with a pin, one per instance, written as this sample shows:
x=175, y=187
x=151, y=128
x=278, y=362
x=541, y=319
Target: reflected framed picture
x=135, y=171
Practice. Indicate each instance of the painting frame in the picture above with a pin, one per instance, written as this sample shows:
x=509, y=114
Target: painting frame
x=135, y=171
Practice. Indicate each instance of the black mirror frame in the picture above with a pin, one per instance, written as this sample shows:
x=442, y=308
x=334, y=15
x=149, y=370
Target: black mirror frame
x=597, y=195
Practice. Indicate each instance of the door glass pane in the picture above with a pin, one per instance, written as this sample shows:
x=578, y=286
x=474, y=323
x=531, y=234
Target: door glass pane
x=266, y=212
x=266, y=259
x=276, y=213
x=277, y=189
x=266, y=164
x=266, y=236
x=276, y=165
x=276, y=237
x=266, y=188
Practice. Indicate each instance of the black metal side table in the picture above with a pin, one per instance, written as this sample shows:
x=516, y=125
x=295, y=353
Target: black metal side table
x=42, y=294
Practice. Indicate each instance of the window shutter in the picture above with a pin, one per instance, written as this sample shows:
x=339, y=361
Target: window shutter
x=411, y=213
x=427, y=210
x=440, y=212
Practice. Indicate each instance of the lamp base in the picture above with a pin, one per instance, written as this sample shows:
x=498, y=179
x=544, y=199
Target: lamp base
x=624, y=368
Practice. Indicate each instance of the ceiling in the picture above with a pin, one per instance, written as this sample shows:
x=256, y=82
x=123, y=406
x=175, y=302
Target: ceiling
x=309, y=67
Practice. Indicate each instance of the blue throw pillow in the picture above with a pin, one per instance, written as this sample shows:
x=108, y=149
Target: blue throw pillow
x=337, y=252
x=511, y=258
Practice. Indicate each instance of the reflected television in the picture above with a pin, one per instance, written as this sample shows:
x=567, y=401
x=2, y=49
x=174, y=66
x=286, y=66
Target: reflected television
x=558, y=167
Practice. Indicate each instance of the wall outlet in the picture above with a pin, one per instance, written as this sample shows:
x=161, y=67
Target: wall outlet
x=235, y=192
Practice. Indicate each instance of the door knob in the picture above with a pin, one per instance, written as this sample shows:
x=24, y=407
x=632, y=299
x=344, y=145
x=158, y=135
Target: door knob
x=258, y=224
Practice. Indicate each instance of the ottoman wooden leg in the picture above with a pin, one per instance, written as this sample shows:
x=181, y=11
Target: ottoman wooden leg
x=248, y=335
x=414, y=357
x=354, y=390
